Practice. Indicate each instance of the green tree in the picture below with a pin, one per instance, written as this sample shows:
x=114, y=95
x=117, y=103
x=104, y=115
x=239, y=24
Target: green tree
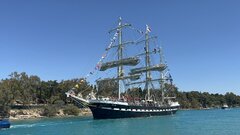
x=107, y=88
x=231, y=99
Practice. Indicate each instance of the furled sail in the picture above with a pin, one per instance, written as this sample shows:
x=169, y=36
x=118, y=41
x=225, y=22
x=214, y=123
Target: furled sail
x=159, y=67
x=131, y=77
x=132, y=61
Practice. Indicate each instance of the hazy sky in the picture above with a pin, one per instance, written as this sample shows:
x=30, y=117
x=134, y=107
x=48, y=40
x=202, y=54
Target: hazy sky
x=64, y=39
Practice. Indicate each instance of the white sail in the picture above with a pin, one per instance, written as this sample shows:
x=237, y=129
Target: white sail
x=131, y=77
x=132, y=61
x=158, y=67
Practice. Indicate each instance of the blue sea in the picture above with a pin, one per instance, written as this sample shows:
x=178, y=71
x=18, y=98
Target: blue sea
x=189, y=122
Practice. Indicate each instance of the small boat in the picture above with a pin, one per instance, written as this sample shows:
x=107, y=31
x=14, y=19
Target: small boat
x=225, y=106
x=4, y=123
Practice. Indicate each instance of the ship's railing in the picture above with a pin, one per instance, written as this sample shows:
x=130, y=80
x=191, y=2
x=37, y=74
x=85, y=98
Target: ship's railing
x=108, y=102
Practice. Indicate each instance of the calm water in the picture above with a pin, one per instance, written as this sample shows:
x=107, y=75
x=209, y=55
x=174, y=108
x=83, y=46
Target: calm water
x=194, y=122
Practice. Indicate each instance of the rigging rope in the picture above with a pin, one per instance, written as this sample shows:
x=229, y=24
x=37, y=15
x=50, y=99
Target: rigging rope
x=112, y=41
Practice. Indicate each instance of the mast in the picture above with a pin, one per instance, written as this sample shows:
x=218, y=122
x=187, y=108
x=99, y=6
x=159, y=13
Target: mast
x=120, y=56
x=147, y=62
x=161, y=75
x=121, y=44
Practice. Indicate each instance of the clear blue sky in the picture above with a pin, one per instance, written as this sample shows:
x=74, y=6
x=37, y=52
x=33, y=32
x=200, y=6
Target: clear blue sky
x=64, y=39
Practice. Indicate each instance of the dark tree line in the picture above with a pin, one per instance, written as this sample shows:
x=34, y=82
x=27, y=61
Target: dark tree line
x=26, y=90
x=195, y=99
x=22, y=89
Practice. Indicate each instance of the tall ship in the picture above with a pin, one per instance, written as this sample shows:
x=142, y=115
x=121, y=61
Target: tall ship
x=141, y=88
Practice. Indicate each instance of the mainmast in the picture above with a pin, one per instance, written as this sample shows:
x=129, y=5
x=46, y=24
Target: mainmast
x=147, y=62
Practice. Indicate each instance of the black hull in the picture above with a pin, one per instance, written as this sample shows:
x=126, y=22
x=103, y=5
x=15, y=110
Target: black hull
x=110, y=111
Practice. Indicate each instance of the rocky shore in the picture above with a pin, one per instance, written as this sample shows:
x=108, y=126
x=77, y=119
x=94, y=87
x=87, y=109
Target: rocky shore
x=21, y=114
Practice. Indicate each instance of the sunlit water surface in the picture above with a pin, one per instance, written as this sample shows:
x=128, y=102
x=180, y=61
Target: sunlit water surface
x=192, y=122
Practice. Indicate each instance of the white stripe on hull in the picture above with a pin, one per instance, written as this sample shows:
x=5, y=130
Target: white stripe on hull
x=139, y=110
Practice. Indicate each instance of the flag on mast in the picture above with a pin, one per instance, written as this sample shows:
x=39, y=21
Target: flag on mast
x=148, y=29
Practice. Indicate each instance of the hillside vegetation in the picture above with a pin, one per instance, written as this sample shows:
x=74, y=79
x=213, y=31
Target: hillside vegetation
x=28, y=90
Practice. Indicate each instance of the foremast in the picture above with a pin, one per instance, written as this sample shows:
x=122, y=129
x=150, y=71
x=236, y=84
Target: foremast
x=120, y=71
x=120, y=56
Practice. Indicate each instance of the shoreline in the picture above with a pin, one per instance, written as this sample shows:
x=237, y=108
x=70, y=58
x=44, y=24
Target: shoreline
x=27, y=114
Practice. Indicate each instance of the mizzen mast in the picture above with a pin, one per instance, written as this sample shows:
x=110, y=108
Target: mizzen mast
x=162, y=78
